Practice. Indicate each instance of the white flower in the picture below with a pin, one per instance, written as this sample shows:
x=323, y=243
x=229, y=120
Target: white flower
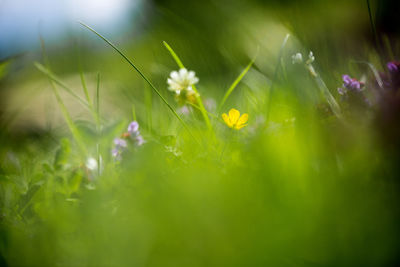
x=297, y=58
x=182, y=80
x=91, y=164
x=311, y=58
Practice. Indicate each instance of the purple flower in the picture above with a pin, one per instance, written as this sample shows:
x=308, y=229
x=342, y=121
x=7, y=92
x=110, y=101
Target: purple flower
x=133, y=128
x=116, y=153
x=120, y=143
x=139, y=140
x=393, y=66
x=352, y=84
x=184, y=110
x=392, y=81
x=352, y=91
x=132, y=137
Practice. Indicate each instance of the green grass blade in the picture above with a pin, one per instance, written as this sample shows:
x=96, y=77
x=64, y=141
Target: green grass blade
x=235, y=83
x=180, y=65
x=134, y=113
x=278, y=64
x=374, y=71
x=85, y=90
x=97, y=104
x=141, y=74
x=82, y=76
x=148, y=99
x=174, y=55
x=70, y=123
x=55, y=79
x=328, y=96
x=371, y=20
x=209, y=113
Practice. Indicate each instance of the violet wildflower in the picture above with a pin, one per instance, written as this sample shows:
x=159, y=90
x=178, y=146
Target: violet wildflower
x=119, y=146
x=132, y=136
x=184, y=110
x=393, y=66
x=394, y=75
x=133, y=128
x=350, y=85
x=115, y=152
x=139, y=140
x=120, y=143
x=352, y=91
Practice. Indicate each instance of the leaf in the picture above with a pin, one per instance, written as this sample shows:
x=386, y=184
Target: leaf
x=62, y=154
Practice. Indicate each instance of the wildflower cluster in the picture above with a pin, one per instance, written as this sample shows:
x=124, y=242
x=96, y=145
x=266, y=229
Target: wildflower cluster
x=352, y=91
x=351, y=85
x=132, y=136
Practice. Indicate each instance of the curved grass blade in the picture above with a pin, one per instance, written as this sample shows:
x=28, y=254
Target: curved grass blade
x=374, y=71
x=236, y=82
x=326, y=93
x=55, y=79
x=70, y=123
x=180, y=65
x=209, y=113
x=278, y=64
x=174, y=55
x=82, y=76
x=141, y=74
x=373, y=27
x=97, y=103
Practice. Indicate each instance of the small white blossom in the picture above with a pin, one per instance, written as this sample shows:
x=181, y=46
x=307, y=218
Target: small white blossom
x=182, y=80
x=297, y=58
x=311, y=58
x=91, y=164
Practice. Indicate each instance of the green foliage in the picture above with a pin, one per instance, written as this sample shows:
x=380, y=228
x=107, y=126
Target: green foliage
x=298, y=186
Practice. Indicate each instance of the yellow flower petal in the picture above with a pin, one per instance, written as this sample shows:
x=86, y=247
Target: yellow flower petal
x=234, y=115
x=243, y=119
x=227, y=120
x=238, y=127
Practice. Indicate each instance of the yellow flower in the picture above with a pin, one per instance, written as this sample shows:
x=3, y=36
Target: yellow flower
x=234, y=120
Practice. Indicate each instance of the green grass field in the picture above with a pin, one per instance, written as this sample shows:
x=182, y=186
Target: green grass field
x=306, y=175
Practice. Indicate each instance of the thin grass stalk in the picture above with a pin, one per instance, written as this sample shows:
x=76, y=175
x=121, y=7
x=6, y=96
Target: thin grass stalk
x=142, y=75
x=278, y=64
x=70, y=123
x=198, y=97
x=235, y=83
